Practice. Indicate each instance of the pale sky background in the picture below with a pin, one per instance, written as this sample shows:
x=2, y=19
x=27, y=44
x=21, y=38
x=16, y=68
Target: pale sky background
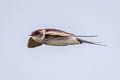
x=18, y=18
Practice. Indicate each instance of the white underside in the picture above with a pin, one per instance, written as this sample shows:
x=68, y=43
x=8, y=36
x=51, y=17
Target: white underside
x=62, y=42
x=37, y=39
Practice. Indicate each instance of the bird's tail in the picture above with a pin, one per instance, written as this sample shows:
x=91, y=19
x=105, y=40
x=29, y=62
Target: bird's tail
x=86, y=36
x=90, y=42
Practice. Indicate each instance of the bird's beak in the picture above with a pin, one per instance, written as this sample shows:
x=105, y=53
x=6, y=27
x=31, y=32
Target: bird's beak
x=30, y=35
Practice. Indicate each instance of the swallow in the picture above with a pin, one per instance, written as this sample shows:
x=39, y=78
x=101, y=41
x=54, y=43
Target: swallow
x=56, y=37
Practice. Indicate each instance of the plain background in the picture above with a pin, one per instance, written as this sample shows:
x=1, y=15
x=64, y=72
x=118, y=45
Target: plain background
x=18, y=18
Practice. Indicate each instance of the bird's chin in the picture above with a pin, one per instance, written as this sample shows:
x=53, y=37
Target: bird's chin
x=37, y=39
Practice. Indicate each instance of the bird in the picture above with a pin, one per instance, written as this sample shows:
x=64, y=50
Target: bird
x=56, y=37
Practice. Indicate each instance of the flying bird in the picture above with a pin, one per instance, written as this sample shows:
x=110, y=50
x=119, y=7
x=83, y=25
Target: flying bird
x=55, y=37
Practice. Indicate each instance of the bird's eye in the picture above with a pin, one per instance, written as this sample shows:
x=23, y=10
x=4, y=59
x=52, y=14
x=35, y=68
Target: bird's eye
x=37, y=33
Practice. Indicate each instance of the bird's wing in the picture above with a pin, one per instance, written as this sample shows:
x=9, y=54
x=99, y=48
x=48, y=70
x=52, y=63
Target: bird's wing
x=56, y=32
x=32, y=43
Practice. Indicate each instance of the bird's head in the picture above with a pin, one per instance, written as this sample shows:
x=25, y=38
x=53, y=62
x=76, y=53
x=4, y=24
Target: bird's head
x=38, y=35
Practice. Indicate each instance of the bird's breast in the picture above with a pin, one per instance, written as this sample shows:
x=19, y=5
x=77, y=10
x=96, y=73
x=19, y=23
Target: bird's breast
x=37, y=39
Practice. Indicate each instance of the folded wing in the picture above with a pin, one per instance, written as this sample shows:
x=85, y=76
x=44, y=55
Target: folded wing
x=56, y=32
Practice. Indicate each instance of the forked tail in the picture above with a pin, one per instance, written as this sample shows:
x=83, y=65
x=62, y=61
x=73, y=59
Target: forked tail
x=89, y=42
x=86, y=36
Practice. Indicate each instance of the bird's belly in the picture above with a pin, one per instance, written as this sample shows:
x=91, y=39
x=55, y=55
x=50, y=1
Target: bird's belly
x=62, y=41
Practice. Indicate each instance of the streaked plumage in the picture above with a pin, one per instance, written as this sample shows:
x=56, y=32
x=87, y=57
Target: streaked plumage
x=55, y=37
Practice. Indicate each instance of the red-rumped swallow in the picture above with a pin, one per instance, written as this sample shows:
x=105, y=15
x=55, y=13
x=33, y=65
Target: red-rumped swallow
x=55, y=37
